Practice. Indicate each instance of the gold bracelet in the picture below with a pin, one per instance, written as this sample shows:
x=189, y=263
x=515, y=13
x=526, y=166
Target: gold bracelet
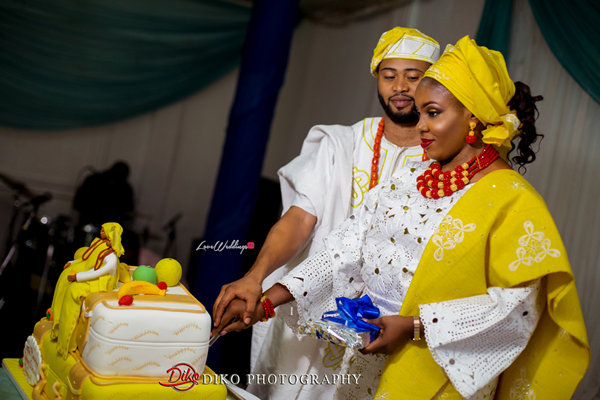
x=417, y=328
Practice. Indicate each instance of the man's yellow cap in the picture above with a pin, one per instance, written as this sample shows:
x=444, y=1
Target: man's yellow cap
x=405, y=43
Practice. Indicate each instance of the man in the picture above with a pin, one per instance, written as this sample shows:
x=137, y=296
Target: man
x=320, y=188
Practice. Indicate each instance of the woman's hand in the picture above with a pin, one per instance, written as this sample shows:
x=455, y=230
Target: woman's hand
x=237, y=309
x=395, y=332
x=67, y=265
x=72, y=278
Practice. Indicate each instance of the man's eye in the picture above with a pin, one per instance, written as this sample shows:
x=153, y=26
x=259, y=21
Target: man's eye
x=413, y=78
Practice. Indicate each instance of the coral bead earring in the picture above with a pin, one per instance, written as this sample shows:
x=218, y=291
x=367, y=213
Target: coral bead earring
x=471, y=136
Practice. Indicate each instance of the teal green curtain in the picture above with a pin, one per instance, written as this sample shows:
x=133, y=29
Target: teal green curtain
x=72, y=63
x=571, y=29
x=494, y=27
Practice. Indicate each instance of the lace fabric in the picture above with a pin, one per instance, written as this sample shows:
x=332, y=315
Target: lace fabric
x=376, y=251
x=476, y=338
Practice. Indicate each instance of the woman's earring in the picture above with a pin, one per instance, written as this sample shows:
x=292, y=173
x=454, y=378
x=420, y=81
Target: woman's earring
x=425, y=156
x=471, y=137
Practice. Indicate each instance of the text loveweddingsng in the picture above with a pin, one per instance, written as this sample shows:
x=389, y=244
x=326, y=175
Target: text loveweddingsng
x=220, y=246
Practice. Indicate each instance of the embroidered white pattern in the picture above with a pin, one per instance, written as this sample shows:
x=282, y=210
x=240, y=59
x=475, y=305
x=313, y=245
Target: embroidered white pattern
x=448, y=235
x=513, y=119
x=382, y=395
x=521, y=389
x=516, y=185
x=564, y=335
x=534, y=248
x=438, y=74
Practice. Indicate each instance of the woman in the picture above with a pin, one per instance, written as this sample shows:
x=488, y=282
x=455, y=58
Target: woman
x=464, y=254
x=95, y=271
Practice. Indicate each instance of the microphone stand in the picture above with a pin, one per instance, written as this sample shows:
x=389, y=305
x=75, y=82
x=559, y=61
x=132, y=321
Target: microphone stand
x=170, y=226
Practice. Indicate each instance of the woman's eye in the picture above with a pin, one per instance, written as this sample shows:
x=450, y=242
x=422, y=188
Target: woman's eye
x=432, y=113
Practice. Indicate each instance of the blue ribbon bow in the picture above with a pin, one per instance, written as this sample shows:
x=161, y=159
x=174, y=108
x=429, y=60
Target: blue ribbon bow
x=350, y=313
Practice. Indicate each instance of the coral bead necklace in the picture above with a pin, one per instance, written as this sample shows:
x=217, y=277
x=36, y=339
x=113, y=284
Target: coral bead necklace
x=435, y=183
x=376, y=148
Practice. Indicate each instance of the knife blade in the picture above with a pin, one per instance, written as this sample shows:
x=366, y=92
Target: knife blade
x=216, y=337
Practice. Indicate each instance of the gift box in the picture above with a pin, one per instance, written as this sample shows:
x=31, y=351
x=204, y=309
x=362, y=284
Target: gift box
x=345, y=326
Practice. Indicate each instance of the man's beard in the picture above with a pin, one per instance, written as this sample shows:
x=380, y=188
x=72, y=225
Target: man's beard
x=400, y=117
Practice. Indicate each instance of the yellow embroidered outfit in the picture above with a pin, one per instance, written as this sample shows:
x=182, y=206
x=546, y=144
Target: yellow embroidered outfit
x=511, y=241
x=66, y=304
x=514, y=241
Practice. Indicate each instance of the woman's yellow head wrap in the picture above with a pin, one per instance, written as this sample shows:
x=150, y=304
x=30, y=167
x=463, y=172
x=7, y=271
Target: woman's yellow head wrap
x=478, y=78
x=113, y=232
x=405, y=43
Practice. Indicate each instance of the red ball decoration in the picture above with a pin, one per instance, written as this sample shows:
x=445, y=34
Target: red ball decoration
x=162, y=285
x=448, y=191
x=471, y=139
x=126, y=300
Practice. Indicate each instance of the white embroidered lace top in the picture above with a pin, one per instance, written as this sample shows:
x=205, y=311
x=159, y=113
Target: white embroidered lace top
x=376, y=251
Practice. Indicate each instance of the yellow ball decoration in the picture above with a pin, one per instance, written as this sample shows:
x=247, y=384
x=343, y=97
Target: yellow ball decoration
x=169, y=271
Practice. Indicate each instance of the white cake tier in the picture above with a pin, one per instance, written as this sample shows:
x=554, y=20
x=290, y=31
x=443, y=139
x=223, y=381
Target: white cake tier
x=148, y=337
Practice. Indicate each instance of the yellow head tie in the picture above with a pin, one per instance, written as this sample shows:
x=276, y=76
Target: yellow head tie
x=405, y=43
x=113, y=232
x=478, y=78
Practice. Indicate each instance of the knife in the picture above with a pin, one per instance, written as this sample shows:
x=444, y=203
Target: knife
x=214, y=338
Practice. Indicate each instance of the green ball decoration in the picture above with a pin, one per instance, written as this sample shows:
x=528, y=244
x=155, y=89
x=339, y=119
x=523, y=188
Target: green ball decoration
x=144, y=273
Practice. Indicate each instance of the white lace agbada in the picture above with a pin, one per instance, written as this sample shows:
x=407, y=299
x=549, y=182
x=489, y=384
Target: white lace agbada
x=376, y=251
x=329, y=180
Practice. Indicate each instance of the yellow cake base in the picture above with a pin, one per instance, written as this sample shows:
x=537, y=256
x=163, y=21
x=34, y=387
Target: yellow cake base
x=16, y=375
x=72, y=379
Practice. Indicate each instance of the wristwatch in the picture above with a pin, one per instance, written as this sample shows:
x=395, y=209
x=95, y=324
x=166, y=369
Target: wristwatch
x=417, y=328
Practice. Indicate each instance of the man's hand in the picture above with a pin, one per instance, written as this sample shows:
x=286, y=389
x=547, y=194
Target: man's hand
x=67, y=265
x=247, y=289
x=237, y=309
x=278, y=295
x=395, y=332
x=285, y=239
x=72, y=278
